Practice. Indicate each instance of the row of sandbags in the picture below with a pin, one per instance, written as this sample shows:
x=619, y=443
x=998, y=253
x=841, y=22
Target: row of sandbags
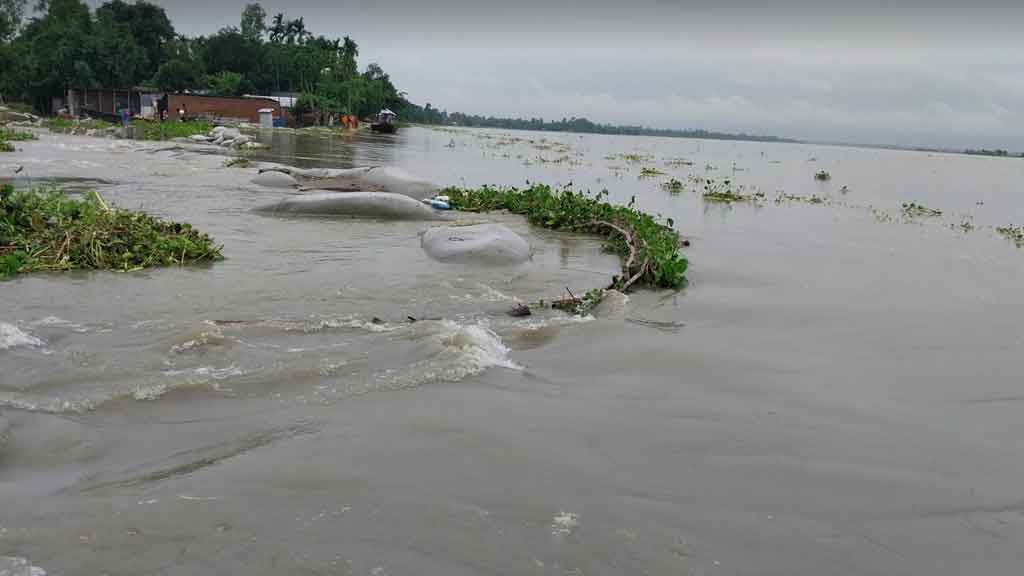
x=387, y=192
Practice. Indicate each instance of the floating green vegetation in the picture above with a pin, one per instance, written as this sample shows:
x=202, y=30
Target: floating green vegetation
x=9, y=135
x=822, y=176
x=168, y=130
x=636, y=158
x=1014, y=234
x=721, y=192
x=964, y=226
x=672, y=186
x=727, y=197
x=678, y=162
x=813, y=199
x=914, y=210
x=6, y=146
x=648, y=172
x=44, y=230
x=564, y=159
x=649, y=249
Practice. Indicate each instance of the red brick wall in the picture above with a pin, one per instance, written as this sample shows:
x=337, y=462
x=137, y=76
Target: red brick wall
x=240, y=108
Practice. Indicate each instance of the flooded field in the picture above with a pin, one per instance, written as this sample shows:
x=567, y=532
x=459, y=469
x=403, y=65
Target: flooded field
x=837, y=390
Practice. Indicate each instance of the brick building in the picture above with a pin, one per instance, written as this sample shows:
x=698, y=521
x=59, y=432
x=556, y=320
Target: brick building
x=219, y=108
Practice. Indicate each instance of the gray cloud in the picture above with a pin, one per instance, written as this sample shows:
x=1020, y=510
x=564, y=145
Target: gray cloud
x=932, y=72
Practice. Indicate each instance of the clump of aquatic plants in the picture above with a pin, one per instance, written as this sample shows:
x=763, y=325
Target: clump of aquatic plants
x=678, y=162
x=6, y=146
x=672, y=186
x=1014, y=234
x=649, y=249
x=45, y=230
x=721, y=191
x=648, y=172
x=822, y=176
x=813, y=199
x=915, y=210
x=635, y=158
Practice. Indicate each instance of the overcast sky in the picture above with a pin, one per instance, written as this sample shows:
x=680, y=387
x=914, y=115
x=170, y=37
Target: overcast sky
x=925, y=72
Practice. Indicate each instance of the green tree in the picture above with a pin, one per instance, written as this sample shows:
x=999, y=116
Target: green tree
x=118, y=62
x=254, y=22
x=11, y=13
x=57, y=50
x=176, y=76
x=147, y=24
x=226, y=84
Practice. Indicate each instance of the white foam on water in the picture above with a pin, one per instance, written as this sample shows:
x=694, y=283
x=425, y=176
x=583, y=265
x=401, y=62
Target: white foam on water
x=13, y=566
x=210, y=376
x=212, y=337
x=188, y=378
x=345, y=322
x=54, y=321
x=564, y=523
x=12, y=337
x=459, y=350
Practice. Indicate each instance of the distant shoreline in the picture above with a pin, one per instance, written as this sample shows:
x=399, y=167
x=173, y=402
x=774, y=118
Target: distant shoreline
x=610, y=130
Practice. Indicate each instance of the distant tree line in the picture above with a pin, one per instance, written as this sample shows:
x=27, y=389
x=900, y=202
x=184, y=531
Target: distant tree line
x=429, y=115
x=123, y=45
x=996, y=152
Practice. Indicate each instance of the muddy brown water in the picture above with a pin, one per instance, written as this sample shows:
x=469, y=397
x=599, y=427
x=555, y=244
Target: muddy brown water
x=837, y=391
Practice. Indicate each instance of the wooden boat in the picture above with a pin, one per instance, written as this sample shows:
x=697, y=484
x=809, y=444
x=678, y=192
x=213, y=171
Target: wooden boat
x=385, y=123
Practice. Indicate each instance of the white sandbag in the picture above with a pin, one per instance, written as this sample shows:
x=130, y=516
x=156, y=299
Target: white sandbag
x=491, y=244
x=275, y=180
x=379, y=179
x=361, y=204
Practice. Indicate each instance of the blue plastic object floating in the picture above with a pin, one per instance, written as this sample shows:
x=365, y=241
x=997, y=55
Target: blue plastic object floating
x=440, y=204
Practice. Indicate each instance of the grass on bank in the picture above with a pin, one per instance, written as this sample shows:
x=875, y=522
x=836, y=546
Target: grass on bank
x=649, y=249
x=44, y=230
x=169, y=130
x=145, y=129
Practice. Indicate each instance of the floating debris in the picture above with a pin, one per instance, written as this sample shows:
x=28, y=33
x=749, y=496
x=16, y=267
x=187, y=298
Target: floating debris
x=1014, y=234
x=813, y=199
x=678, y=162
x=914, y=210
x=647, y=172
x=822, y=176
x=721, y=192
x=673, y=186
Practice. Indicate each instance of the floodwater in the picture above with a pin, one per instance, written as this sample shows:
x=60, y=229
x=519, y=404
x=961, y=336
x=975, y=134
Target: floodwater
x=837, y=391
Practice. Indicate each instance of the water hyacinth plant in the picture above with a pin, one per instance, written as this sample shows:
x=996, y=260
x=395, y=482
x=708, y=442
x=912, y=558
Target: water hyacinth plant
x=913, y=209
x=1014, y=234
x=649, y=249
x=44, y=230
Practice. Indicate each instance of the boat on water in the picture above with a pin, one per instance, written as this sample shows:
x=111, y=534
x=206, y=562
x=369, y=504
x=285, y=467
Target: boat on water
x=385, y=123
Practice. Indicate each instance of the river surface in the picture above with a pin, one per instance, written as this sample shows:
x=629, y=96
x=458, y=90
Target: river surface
x=838, y=390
